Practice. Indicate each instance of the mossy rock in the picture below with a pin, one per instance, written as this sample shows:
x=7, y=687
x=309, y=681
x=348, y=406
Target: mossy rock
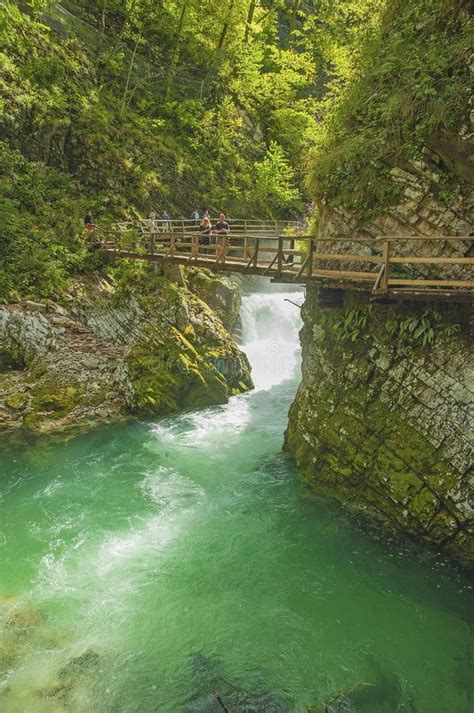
x=17, y=401
x=11, y=359
x=60, y=400
x=220, y=292
x=196, y=367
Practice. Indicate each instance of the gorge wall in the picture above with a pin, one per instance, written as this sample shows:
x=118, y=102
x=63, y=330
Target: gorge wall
x=383, y=418
x=386, y=423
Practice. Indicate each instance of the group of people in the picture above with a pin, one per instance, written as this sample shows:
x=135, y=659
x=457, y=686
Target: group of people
x=154, y=224
x=206, y=229
x=204, y=225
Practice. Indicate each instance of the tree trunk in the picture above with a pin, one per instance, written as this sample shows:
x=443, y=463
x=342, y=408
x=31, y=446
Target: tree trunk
x=120, y=34
x=175, y=55
x=104, y=10
x=250, y=15
x=130, y=68
x=225, y=26
x=293, y=20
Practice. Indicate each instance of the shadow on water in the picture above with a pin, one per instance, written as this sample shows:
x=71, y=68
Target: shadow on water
x=209, y=676
x=383, y=694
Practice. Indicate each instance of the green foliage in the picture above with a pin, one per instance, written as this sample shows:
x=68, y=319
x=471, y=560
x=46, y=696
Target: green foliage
x=275, y=181
x=120, y=107
x=350, y=326
x=415, y=329
x=412, y=83
x=421, y=329
x=39, y=246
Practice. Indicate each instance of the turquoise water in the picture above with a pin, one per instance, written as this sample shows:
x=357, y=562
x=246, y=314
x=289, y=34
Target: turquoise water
x=147, y=565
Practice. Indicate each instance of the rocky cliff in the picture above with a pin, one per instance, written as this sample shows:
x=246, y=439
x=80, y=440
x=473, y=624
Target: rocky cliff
x=383, y=418
x=434, y=197
x=100, y=356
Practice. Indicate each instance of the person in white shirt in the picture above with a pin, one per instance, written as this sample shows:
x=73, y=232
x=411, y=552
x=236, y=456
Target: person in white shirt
x=152, y=223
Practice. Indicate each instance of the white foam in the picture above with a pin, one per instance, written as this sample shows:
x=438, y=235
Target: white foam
x=152, y=538
x=48, y=490
x=169, y=489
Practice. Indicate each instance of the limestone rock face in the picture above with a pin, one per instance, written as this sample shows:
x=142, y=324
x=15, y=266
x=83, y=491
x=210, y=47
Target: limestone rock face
x=427, y=206
x=220, y=292
x=383, y=418
x=101, y=357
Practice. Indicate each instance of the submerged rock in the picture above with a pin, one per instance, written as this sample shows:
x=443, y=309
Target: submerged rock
x=210, y=677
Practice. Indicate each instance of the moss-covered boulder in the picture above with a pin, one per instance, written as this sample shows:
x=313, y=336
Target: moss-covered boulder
x=221, y=292
x=145, y=346
x=188, y=361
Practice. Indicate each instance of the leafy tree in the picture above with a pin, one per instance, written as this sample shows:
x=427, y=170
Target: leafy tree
x=126, y=105
x=275, y=182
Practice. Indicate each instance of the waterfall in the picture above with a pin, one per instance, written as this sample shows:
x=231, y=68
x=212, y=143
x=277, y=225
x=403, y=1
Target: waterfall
x=270, y=326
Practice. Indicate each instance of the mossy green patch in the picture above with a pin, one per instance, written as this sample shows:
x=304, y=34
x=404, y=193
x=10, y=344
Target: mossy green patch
x=12, y=358
x=58, y=400
x=365, y=425
x=17, y=401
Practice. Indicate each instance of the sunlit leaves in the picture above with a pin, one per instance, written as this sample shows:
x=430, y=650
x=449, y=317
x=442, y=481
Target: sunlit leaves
x=275, y=181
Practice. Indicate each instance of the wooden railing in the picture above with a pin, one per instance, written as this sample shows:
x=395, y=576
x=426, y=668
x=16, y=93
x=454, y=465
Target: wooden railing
x=237, y=225
x=384, y=253
x=278, y=249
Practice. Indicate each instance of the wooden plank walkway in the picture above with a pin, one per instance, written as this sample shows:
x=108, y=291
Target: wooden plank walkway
x=279, y=250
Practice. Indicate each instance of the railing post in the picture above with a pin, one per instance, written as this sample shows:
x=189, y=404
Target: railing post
x=291, y=256
x=280, y=253
x=310, y=257
x=386, y=264
x=255, y=255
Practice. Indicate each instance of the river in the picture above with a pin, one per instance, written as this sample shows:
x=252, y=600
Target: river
x=146, y=565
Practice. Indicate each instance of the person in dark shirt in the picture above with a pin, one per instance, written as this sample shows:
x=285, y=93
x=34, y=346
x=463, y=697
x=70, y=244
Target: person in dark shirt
x=137, y=228
x=205, y=231
x=88, y=222
x=221, y=229
x=165, y=221
x=222, y=226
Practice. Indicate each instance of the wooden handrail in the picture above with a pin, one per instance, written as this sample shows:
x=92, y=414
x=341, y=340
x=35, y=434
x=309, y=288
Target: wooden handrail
x=262, y=247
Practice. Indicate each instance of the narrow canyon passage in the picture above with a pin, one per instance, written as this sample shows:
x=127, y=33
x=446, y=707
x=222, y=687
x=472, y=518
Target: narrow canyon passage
x=146, y=565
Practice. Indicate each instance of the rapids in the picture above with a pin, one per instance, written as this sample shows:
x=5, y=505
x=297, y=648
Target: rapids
x=147, y=565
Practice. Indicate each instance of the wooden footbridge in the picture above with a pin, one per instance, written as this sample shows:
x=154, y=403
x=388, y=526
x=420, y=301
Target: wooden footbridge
x=390, y=266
